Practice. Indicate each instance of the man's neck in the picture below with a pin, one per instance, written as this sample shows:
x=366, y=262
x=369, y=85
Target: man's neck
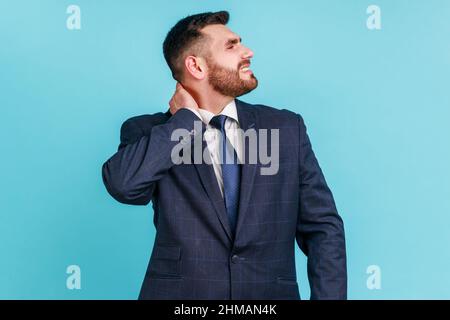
x=213, y=102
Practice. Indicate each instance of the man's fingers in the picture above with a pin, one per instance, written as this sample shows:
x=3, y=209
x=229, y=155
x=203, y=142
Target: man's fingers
x=182, y=98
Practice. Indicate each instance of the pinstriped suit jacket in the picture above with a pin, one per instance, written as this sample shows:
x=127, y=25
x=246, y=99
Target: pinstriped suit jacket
x=195, y=256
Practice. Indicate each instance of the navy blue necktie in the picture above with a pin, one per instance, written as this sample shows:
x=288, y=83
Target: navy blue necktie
x=231, y=172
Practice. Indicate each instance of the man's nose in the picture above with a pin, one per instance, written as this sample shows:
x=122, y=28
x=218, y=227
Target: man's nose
x=248, y=54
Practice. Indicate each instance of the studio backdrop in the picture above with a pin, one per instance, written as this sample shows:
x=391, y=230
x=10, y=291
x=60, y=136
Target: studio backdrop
x=370, y=78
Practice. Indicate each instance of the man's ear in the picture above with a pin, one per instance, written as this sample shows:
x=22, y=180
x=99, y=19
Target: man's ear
x=196, y=67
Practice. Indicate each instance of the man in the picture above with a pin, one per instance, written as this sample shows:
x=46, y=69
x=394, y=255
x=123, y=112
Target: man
x=225, y=230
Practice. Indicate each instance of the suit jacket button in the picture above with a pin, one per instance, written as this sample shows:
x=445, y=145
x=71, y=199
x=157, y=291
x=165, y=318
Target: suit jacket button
x=235, y=258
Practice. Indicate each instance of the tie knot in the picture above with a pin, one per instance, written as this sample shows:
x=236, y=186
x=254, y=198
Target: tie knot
x=218, y=121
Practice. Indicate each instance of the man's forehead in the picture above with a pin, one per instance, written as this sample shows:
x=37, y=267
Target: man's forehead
x=219, y=32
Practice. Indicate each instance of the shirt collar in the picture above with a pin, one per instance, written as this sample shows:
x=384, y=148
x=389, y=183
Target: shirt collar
x=230, y=111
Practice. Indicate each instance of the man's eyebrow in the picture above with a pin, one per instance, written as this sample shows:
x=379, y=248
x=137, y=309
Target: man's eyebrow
x=233, y=41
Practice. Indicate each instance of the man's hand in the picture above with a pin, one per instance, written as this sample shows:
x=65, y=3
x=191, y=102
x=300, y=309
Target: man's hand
x=181, y=99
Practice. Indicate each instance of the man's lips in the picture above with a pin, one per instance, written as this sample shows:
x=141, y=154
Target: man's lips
x=247, y=71
x=245, y=68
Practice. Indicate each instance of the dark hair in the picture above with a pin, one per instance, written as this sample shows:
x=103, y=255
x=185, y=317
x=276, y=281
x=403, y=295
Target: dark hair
x=185, y=34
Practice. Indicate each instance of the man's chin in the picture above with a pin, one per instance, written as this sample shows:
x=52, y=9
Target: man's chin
x=252, y=83
x=248, y=88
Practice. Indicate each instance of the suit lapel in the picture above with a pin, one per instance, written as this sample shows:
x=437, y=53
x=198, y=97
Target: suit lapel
x=211, y=186
x=246, y=121
x=208, y=178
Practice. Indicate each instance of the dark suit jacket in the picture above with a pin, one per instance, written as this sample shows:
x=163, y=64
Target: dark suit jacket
x=195, y=256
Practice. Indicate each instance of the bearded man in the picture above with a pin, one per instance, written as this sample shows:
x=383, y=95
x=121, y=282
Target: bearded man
x=225, y=230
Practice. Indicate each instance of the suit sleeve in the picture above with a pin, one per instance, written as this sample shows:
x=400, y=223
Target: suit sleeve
x=130, y=132
x=131, y=174
x=320, y=229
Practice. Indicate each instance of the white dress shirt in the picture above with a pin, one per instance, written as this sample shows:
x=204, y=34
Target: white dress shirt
x=212, y=136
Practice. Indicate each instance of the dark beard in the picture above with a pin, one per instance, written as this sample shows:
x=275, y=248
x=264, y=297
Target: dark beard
x=227, y=81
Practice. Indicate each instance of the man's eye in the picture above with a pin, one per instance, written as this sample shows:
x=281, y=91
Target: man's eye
x=231, y=47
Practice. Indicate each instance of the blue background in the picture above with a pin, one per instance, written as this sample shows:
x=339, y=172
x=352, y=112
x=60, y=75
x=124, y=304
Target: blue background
x=376, y=103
